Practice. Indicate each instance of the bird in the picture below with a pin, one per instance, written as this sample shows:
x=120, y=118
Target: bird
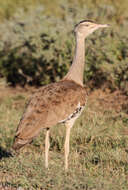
x=60, y=102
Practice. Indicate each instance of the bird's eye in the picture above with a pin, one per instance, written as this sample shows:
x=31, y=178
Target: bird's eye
x=87, y=25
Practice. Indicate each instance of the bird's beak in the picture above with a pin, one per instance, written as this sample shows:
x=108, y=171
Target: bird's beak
x=103, y=25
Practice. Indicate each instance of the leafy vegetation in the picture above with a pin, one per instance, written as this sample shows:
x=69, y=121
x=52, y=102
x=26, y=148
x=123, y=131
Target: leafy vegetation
x=37, y=49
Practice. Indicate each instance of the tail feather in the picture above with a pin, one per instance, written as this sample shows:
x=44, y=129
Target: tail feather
x=19, y=143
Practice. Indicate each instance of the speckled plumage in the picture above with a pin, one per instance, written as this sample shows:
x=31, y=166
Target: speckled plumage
x=49, y=105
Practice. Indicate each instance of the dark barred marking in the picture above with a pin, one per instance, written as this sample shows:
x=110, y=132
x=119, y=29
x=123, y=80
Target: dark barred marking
x=73, y=115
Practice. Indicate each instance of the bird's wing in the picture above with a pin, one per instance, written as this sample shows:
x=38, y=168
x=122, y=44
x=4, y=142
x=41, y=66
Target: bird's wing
x=50, y=105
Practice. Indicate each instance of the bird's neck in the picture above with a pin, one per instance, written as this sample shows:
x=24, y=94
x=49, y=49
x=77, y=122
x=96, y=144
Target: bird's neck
x=76, y=70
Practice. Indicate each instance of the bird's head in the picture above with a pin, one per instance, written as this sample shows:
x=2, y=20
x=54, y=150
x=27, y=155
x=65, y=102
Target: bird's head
x=86, y=27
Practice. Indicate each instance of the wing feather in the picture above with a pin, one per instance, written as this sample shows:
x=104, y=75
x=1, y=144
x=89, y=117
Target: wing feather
x=48, y=106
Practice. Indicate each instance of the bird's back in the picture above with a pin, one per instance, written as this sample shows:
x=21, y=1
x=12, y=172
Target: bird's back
x=50, y=105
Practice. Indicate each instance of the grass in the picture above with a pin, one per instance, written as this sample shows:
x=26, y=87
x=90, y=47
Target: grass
x=98, y=156
x=99, y=143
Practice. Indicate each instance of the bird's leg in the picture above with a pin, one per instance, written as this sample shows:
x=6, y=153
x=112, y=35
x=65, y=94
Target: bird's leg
x=66, y=146
x=47, y=145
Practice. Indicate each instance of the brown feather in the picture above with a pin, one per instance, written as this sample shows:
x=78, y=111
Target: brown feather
x=47, y=107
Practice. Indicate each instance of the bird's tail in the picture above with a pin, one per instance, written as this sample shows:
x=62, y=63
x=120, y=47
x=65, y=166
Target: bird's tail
x=19, y=143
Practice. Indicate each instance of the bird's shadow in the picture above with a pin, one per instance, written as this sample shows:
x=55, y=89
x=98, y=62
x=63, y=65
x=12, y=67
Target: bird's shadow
x=4, y=153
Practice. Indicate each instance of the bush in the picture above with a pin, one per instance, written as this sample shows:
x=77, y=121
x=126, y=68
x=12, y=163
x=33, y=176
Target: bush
x=31, y=53
x=37, y=49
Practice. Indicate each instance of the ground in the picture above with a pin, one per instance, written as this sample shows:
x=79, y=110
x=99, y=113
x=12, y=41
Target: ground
x=98, y=147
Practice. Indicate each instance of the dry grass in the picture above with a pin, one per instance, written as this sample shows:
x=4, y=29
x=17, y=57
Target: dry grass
x=99, y=143
x=99, y=151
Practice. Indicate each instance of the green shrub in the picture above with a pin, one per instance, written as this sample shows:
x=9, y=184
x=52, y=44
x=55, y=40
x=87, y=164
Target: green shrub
x=31, y=53
x=37, y=49
x=107, y=64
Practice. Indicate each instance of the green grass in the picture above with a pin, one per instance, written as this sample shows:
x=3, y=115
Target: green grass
x=98, y=150
x=99, y=145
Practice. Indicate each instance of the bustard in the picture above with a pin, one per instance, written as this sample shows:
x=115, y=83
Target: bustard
x=60, y=102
